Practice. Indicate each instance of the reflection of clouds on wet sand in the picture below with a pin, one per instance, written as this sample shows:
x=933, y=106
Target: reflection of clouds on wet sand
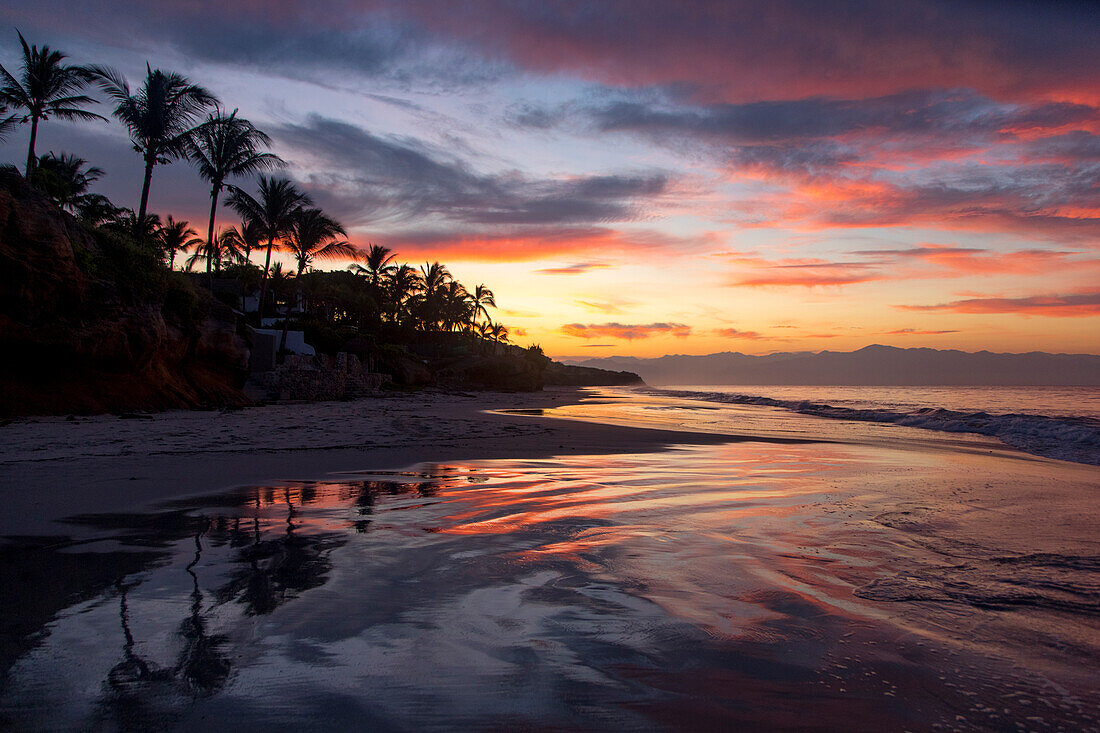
x=748, y=582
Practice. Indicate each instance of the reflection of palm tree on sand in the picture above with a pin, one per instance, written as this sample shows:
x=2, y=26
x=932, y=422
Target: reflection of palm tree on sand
x=135, y=685
x=202, y=667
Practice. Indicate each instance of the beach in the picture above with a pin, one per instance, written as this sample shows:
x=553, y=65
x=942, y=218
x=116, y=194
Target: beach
x=568, y=559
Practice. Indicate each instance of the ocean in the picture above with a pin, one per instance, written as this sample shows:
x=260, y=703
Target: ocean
x=1057, y=422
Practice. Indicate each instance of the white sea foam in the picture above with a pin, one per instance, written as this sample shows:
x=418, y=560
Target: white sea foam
x=1065, y=437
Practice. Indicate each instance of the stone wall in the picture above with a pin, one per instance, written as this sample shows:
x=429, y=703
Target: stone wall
x=315, y=378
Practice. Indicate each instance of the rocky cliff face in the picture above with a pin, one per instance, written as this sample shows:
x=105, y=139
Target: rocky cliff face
x=91, y=324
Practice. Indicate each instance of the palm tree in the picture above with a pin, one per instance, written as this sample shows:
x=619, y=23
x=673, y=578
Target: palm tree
x=401, y=285
x=47, y=88
x=498, y=332
x=65, y=179
x=313, y=236
x=273, y=214
x=227, y=246
x=226, y=146
x=95, y=209
x=176, y=236
x=434, y=278
x=158, y=116
x=125, y=221
x=6, y=123
x=455, y=306
x=248, y=235
x=480, y=301
x=377, y=263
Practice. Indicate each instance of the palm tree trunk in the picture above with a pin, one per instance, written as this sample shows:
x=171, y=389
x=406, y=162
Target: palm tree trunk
x=31, y=160
x=149, y=163
x=263, y=279
x=210, y=231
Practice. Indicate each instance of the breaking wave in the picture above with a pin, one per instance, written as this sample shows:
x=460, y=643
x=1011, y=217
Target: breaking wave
x=1065, y=438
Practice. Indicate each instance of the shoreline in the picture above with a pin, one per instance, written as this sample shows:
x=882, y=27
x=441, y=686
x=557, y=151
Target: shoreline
x=110, y=464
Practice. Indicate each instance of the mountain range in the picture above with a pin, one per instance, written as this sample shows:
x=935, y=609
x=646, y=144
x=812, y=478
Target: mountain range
x=871, y=365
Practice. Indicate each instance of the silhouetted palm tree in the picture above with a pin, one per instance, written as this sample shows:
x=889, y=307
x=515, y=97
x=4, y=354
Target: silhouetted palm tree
x=227, y=146
x=159, y=116
x=95, y=210
x=227, y=247
x=8, y=122
x=377, y=263
x=46, y=88
x=273, y=213
x=480, y=301
x=313, y=236
x=125, y=221
x=65, y=179
x=498, y=333
x=402, y=284
x=249, y=236
x=176, y=236
x=455, y=306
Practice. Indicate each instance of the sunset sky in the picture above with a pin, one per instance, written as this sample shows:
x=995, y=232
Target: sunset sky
x=646, y=178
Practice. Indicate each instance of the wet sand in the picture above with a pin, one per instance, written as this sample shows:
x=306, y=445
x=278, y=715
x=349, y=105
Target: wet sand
x=825, y=576
x=54, y=467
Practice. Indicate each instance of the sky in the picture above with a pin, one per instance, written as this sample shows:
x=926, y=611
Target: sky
x=644, y=178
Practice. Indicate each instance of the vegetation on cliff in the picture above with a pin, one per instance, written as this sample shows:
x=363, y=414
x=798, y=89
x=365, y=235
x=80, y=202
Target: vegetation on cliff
x=95, y=316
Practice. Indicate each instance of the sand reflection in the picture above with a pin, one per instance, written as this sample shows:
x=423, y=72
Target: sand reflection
x=691, y=588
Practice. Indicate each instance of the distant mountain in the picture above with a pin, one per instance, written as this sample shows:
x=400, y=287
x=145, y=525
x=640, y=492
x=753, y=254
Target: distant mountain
x=871, y=365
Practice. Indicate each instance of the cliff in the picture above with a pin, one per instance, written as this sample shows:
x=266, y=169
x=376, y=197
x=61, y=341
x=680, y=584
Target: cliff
x=91, y=323
x=581, y=376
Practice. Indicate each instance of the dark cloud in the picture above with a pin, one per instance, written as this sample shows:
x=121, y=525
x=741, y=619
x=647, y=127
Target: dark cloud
x=1076, y=305
x=334, y=44
x=955, y=112
x=1072, y=146
x=741, y=49
x=369, y=176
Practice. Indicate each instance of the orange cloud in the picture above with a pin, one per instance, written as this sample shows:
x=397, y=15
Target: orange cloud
x=625, y=331
x=927, y=261
x=733, y=333
x=803, y=272
x=915, y=332
x=966, y=260
x=528, y=244
x=578, y=269
x=524, y=246
x=611, y=309
x=1064, y=306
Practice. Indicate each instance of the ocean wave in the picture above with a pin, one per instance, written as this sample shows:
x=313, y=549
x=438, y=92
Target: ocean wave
x=1065, y=438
